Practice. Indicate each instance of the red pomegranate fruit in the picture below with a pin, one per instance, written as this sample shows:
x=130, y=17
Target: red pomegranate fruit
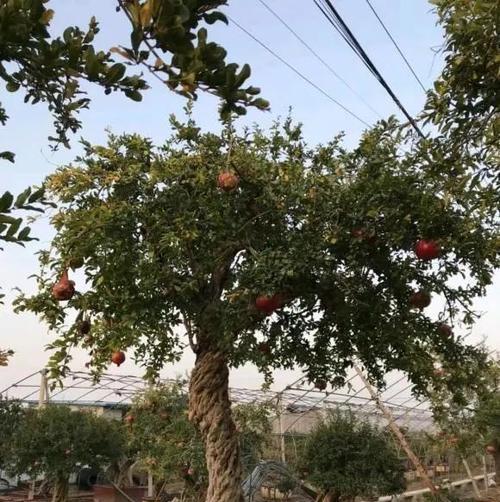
x=268, y=304
x=63, y=289
x=420, y=299
x=427, y=249
x=227, y=181
x=264, y=348
x=320, y=384
x=491, y=449
x=444, y=330
x=118, y=357
x=129, y=419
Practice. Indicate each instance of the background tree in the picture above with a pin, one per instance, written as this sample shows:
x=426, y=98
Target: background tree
x=346, y=457
x=266, y=251
x=11, y=415
x=487, y=418
x=464, y=101
x=166, y=443
x=162, y=438
x=55, y=441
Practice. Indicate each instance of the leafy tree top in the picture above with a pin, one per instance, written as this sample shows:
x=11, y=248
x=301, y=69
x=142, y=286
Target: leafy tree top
x=329, y=232
x=55, y=440
x=347, y=457
x=166, y=40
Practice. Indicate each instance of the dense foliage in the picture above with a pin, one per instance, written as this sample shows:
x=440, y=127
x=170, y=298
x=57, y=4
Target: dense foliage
x=464, y=101
x=331, y=230
x=346, y=457
x=11, y=415
x=166, y=443
x=54, y=441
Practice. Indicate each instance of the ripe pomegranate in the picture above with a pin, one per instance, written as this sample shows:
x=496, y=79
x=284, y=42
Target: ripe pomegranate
x=84, y=327
x=264, y=348
x=63, y=289
x=427, y=249
x=118, y=357
x=320, y=384
x=268, y=304
x=420, y=299
x=491, y=449
x=227, y=181
x=129, y=419
x=444, y=330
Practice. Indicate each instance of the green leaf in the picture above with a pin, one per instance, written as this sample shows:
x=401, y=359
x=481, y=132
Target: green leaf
x=115, y=73
x=213, y=17
x=6, y=202
x=10, y=156
x=14, y=227
x=12, y=86
x=134, y=95
x=22, y=198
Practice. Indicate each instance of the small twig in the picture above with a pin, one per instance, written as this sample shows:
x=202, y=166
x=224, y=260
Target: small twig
x=187, y=324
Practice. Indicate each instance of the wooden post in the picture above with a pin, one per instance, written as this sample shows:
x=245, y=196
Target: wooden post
x=471, y=477
x=151, y=487
x=485, y=473
x=397, y=432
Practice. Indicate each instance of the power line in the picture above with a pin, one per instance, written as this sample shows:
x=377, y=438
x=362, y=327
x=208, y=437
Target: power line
x=297, y=72
x=334, y=18
x=318, y=57
x=395, y=45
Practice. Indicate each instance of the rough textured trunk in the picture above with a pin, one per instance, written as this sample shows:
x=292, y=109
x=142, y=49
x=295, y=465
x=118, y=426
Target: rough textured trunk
x=496, y=457
x=60, y=490
x=210, y=411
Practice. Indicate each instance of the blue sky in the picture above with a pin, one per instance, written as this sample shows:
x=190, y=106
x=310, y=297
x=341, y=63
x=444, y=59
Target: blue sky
x=411, y=22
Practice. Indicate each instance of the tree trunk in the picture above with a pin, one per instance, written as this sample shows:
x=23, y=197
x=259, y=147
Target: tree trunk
x=496, y=457
x=210, y=411
x=60, y=490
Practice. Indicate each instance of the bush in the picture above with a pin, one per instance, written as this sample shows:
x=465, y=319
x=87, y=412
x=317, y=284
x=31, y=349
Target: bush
x=54, y=441
x=346, y=457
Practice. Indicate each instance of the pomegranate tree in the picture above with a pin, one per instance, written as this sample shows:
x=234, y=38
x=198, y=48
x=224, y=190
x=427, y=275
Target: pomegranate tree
x=267, y=263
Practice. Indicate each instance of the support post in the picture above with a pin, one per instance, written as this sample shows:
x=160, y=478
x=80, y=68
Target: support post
x=151, y=487
x=471, y=477
x=485, y=473
x=397, y=432
x=43, y=399
x=282, y=433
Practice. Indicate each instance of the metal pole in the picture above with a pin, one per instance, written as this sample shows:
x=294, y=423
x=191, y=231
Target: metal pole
x=397, y=432
x=282, y=432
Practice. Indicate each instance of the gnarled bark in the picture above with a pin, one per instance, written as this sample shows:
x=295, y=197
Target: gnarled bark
x=210, y=411
x=60, y=490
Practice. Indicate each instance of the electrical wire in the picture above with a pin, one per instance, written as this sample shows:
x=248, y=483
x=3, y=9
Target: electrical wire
x=318, y=57
x=297, y=72
x=335, y=19
x=395, y=45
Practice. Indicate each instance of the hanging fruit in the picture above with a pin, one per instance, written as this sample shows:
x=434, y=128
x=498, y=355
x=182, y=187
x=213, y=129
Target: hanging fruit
x=118, y=357
x=227, y=181
x=420, y=299
x=320, y=384
x=444, y=330
x=264, y=348
x=269, y=303
x=63, y=289
x=427, y=249
x=84, y=327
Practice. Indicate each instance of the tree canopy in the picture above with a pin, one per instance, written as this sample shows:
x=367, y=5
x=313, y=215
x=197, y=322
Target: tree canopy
x=347, y=457
x=55, y=441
